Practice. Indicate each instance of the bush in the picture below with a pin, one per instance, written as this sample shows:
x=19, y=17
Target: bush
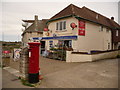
x=118, y=56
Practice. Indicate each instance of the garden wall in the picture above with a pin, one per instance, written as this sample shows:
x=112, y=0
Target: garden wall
x=77, y=57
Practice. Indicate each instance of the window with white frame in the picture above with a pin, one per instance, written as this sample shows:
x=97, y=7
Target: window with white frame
x=116, y=32
x=108, y=46
x=101, y=28
x=107, y=30
x=61, y=25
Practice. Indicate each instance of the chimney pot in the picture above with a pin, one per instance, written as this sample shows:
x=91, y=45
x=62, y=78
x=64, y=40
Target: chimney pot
x=112, y=18
x=36, y=17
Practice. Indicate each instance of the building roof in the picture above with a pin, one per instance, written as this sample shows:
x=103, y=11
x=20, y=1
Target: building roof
x=86, y=14
x=28, y=21
x=40, y=28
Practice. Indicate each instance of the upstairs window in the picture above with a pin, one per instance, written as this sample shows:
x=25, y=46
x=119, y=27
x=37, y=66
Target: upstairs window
x=64, y=25
x=116, y=32
x=108, y=46
x=61, y=25
x=107, y=30
x=101, y=28
x=56, y=26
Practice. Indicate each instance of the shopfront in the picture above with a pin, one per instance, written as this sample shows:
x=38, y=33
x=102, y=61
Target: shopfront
x=57, y=41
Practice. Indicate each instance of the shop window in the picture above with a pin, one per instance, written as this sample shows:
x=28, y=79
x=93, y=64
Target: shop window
x=61, y=25
x=51, y=44
x=65, y=43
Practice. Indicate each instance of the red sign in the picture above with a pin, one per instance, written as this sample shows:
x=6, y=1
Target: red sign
x=6, y=51
x=45, y=29
x=81, y=30
x=73, y=25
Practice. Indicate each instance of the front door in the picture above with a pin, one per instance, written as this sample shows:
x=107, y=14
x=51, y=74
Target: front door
x=42, y=47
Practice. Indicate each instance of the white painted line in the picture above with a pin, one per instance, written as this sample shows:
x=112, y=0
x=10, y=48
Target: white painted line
x=12, y=71
x=6, y=67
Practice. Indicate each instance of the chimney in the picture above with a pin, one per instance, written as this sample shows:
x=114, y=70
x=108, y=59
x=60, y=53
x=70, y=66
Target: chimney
x=36, y=23
x=112, y=18
x=36, y=17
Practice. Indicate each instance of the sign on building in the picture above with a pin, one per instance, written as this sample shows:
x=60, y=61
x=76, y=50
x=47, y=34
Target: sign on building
x=81, y=26
x=17, y=54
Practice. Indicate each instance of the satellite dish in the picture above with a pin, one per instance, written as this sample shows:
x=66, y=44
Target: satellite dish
x=22, y=30
x=25, y=24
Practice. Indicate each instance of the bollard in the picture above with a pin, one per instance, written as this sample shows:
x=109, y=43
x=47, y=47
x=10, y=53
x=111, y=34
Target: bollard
x=33, y=71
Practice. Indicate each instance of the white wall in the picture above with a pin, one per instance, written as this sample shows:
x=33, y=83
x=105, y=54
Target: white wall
x=27, y=36
x=94, y=39
x=88, y=58
x=67, y=32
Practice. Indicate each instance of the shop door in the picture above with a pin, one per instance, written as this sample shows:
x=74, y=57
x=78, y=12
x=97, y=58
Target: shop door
x=42, y=49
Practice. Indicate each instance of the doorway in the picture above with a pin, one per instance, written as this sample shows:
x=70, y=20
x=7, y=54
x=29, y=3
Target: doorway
x=42, y=49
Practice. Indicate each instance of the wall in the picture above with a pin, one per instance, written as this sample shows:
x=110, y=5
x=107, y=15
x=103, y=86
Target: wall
x=68, y=31
x=89, y=58
x=107, y=55
x=77, y=57
x=93, y=40
x=28, y=35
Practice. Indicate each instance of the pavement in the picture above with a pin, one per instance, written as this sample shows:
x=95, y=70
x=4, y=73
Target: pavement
x=9, y=80
x=59, y=74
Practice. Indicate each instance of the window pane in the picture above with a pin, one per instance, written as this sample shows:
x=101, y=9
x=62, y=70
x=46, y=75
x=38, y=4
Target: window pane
x=60, y=25
x=56, y=26
x=101, y=28
x=64, y=25
x=116, y=32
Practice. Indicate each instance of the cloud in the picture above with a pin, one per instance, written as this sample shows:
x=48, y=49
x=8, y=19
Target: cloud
x=14, y=12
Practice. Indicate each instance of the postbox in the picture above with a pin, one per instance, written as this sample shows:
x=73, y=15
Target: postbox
x=33, y=70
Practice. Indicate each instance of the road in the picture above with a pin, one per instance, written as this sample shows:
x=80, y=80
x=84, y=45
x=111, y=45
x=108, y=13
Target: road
x=99, y=74
x=59, y=74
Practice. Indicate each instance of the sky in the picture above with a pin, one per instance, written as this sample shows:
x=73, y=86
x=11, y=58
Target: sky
x=14, y=11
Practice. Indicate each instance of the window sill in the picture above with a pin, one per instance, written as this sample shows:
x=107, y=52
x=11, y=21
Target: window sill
x=61, y=31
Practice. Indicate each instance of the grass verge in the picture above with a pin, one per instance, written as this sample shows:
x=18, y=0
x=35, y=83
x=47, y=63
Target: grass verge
x=26, y=83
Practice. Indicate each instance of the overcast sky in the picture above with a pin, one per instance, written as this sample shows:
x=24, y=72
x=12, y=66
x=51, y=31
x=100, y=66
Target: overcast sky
x=14, y=12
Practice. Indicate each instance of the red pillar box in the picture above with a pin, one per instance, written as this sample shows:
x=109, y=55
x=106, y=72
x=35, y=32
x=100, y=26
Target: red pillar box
x=33, y=71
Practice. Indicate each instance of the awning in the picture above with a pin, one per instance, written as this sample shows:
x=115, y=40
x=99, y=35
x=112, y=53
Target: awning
x=56, y=37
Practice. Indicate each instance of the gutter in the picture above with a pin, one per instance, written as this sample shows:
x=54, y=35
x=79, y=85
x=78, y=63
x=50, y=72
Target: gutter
x=77, y=17
x=93, y=22
x=58, y=18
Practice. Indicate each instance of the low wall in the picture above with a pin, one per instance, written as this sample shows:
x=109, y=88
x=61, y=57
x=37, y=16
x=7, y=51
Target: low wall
x=70, y=57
